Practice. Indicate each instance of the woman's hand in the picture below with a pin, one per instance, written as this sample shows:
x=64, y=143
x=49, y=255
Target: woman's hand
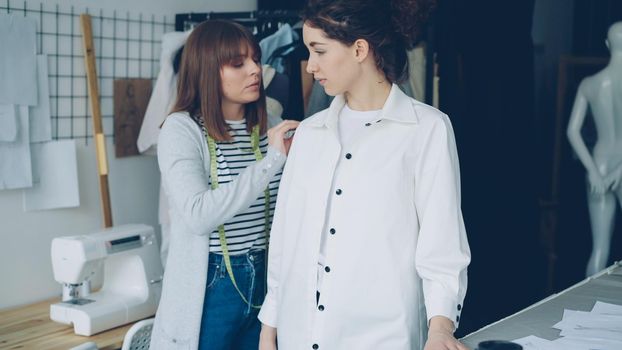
x=597, y=183
x=267, y=337
x=276, y=135
x=440, y=335
x=442, y=340
x=613, y=179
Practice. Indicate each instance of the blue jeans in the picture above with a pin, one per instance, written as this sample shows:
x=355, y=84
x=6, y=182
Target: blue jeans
x=228, y=323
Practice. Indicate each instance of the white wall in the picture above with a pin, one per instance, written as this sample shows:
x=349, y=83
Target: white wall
x=25, y=268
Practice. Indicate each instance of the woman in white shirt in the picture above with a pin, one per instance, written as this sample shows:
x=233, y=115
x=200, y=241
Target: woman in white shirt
x=368, y=247
x=220, y=169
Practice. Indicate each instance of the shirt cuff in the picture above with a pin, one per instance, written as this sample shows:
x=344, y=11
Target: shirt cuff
x=444, y=307
x=268, y=314
x=273, y=161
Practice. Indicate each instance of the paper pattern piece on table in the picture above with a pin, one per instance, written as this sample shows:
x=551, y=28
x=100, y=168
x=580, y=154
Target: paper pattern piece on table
x=533, y=343
x=599, y=329
x=607, y=309
x=57, y=186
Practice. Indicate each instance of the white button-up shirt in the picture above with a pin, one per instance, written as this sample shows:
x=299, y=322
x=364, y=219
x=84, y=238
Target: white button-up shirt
x=396, y=246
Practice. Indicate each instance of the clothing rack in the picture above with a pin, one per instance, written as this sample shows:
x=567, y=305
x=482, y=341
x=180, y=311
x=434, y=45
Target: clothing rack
x=261, y=23
x=186, y=21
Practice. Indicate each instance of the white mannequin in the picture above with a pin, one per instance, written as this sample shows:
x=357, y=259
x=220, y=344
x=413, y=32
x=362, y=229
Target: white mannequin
x=603, y=93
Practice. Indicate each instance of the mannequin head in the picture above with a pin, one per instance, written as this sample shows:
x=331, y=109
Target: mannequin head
x=614, y=37
x=219, y=67
x=381, y=30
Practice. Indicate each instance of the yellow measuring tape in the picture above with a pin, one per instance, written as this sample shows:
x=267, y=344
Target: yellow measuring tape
x=211, y=144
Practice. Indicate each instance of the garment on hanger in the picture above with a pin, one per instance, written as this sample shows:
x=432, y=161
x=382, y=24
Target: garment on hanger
x=276, y=86
x=164, y=93
x=160, y=103
x=292, y=62
x=416, y=71
x=318, y=100
x=285, y=37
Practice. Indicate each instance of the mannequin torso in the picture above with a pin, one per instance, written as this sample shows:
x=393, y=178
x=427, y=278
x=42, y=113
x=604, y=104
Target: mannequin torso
x=602, y=93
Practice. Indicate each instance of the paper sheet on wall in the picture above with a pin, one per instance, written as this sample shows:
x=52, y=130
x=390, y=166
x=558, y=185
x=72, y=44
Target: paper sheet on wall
x=40, y=120
x=18, y=62
x=15, y=167
x=8, y=123
x=55, y=166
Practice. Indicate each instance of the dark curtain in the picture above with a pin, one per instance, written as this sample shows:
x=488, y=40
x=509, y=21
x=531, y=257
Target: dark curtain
x=485, y=56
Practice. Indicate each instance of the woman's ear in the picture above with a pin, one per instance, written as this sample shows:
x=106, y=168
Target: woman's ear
x=361, y=49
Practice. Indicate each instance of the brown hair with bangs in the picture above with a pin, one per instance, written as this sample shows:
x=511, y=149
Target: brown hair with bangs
x=212, y=45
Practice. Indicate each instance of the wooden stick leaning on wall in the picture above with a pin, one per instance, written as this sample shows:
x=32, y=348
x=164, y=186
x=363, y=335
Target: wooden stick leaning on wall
x=98, y=132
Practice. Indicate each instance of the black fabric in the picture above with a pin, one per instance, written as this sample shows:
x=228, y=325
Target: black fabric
x=278, y=89
x=485, y=55
x=295, y=106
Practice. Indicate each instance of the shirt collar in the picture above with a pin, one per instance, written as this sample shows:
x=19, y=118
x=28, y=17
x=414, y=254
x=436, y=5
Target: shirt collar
x=398, y=107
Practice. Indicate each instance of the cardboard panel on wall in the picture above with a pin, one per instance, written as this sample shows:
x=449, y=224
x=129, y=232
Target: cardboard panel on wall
x=131, y=97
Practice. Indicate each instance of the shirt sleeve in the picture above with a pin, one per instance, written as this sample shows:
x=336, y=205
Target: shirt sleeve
x=268, y=314
x=183, y=162
x=443, y=252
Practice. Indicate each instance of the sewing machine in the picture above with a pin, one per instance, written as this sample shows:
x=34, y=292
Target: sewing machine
x=132, y=281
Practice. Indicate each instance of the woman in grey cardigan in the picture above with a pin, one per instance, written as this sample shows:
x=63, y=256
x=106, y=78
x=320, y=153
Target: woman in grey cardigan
x=221, y=167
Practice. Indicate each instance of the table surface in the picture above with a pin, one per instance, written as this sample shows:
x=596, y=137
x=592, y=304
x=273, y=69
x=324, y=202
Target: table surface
x=30, y=327
x=606, y=286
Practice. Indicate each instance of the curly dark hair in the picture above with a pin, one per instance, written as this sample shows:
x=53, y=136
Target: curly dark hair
x=390, y=27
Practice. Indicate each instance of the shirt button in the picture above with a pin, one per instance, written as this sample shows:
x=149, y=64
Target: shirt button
x=332, y=231
x=315, y=346
x=457, y=318
x=367, y=124
x=459, y=307
x=338, y=191
x=348, y=156
x=321, y=307
x=327, y=269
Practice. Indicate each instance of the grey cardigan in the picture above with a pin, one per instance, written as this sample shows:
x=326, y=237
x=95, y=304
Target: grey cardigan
x=196, y=210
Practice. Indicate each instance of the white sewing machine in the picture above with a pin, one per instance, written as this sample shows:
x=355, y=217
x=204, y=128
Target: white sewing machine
x=132, y=278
